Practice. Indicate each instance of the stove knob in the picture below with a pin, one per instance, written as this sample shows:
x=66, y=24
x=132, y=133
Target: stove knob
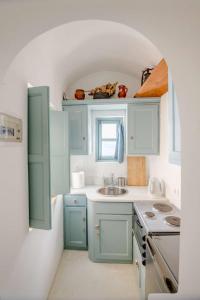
x=144, y=254
x=144, y=238
x=144, y=246
x=144, y=262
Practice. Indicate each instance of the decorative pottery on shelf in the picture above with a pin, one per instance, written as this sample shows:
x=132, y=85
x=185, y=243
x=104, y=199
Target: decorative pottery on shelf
x=79, y=94
x=104, y=91
x=122, y=91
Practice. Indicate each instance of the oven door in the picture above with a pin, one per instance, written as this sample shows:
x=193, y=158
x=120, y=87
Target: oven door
x=140, y=235
x=159, y=279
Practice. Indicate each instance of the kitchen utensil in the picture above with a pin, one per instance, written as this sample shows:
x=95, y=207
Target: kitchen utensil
x=156, y=187
x=121, y=181
x=136, y=166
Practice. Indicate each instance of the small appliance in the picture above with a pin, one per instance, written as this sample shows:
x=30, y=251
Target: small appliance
x=156, y=187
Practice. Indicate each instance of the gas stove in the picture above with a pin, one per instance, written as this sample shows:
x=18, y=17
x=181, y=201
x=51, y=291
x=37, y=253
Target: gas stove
x=158, y=217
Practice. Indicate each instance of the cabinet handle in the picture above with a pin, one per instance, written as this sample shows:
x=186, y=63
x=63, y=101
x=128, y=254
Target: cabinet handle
x=132, y=138
x=97, y=230
x=75, y=201
x=137, y=264
x=84, y=219
x=84, y=138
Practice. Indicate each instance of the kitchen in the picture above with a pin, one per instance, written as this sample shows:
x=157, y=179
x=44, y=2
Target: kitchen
x=99, y=180
x=117, y=220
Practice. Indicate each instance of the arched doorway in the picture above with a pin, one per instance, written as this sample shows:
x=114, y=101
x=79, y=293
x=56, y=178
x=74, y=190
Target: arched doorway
x=177, y=51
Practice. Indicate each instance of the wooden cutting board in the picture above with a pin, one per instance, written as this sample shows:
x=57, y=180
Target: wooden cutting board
x=136, y=167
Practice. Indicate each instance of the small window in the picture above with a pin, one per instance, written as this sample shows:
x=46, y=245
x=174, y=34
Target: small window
x=106, y=138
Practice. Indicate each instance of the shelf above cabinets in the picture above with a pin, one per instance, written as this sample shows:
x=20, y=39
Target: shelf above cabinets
x=111, y=101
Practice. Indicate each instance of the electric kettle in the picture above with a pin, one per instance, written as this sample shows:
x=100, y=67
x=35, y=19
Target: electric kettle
x=156, y=187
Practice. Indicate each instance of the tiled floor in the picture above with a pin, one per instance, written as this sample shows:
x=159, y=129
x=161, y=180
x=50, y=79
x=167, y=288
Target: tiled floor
x=80, y=279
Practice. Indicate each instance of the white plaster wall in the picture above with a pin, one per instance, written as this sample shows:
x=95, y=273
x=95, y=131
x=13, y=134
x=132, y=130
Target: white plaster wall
x=97, y=79
x=159, y=166
x=28, y=259
x=35, y=263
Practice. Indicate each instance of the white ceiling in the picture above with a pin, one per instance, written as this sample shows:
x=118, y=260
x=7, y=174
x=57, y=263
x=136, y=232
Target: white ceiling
x=84, y=47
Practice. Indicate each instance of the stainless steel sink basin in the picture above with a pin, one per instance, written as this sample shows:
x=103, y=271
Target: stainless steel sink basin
x=112, y=191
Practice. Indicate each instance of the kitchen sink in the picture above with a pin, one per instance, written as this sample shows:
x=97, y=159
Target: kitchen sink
x=112, y=191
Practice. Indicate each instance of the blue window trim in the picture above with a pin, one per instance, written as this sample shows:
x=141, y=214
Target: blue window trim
x=99, y=122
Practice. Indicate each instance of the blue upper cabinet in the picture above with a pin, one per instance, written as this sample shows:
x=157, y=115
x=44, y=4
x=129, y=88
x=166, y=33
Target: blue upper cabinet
x=143, y=129
x=39, y=158
x=175, y=129
x=78, y=129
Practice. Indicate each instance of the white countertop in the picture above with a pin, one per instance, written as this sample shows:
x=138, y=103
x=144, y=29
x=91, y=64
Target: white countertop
x=134, y=194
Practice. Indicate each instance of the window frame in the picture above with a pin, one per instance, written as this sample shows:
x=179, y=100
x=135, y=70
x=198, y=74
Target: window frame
x=99, y=122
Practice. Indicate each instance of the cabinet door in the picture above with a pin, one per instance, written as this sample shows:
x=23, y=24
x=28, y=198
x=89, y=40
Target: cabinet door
x=143, y=129
x=113, y=237
x=39, y=158
x=78, y=129
x=175, y=129
x=59, y=149
x=75, y=227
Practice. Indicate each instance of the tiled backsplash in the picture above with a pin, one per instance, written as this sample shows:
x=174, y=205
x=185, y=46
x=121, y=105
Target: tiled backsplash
x=95, y=171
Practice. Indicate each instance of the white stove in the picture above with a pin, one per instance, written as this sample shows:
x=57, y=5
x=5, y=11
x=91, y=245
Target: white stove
x=158, y=216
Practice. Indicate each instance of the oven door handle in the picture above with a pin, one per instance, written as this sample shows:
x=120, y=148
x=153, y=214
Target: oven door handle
x=138, y=223
x=151, y=250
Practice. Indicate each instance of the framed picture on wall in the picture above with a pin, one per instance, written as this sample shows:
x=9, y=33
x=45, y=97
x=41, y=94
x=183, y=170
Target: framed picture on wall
x=10, y=129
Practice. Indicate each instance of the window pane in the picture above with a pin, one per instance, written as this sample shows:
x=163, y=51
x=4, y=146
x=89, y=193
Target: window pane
x=108, y=148
x=109, y=130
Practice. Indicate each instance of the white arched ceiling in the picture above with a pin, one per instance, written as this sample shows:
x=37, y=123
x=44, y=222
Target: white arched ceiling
x=81, y=48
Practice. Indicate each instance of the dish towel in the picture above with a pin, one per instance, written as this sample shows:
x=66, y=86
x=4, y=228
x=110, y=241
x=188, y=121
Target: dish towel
x=119, y=150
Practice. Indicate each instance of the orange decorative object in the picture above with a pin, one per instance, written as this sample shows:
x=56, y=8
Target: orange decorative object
x=122, y=91
x=79, y=94
x=156, y=84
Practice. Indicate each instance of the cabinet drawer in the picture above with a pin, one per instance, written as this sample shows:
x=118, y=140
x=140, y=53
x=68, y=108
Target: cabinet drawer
x=114, y=208
x=75, y=200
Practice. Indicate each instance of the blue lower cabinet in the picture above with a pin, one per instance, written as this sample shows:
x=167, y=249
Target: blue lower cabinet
x=113, y=238
x=75, y=227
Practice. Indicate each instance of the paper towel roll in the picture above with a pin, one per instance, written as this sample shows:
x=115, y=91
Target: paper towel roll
x=78, y=180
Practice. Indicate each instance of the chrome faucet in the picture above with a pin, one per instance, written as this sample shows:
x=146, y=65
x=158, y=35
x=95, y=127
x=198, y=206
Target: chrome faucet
x=112, y=179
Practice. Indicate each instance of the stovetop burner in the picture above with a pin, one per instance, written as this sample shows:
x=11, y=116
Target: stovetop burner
x=161, y=207
x=149, y=214
x=174, y=221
